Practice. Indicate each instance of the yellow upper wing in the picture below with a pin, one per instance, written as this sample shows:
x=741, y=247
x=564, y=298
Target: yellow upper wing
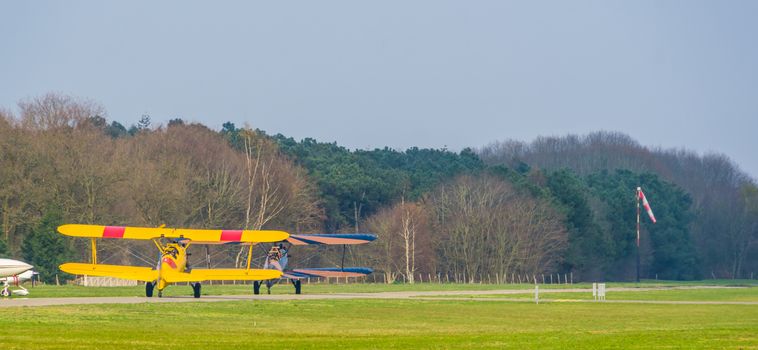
x=194, y=235
x=118, y=271
x=198, y=275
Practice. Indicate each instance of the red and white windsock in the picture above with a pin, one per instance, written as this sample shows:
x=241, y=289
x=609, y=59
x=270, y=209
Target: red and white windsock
x=645, y=204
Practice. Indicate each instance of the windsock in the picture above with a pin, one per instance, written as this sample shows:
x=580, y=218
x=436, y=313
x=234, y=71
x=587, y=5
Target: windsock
x=646, y=205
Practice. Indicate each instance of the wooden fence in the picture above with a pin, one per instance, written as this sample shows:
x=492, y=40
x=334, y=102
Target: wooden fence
x=89, y=281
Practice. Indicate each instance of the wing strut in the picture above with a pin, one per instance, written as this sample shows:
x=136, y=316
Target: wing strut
x=208, y=256
x=342, y=267
x=94, y=251
x=249, y=256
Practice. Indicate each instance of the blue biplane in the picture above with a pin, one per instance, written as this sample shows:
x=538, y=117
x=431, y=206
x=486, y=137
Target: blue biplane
x=278, y=257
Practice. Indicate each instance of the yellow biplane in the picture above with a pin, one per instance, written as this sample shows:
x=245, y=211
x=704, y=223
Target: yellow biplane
x=172, y=266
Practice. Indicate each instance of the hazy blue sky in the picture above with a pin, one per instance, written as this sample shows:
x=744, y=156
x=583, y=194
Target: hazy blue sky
x=405, y=73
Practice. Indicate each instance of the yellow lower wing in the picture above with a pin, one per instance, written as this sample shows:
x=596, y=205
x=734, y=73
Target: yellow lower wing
x=118, y=271
x=198, y=275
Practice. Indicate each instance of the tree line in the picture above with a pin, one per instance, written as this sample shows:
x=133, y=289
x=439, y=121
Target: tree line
x=722, y=215
x=554, y=205
x=60, y=162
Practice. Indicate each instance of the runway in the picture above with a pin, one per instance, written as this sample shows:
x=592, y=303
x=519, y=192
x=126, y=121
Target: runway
x=421, y=296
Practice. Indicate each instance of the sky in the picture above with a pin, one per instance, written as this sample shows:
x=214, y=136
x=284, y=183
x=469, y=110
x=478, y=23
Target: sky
x=435, y=74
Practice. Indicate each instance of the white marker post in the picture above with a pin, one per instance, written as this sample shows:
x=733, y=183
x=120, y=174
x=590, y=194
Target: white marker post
x=601, y=291
x=536, y=294
x=594, y=291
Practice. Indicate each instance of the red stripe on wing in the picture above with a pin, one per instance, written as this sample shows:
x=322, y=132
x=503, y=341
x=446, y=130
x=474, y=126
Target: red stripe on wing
x=114, y=231
x=231, y=235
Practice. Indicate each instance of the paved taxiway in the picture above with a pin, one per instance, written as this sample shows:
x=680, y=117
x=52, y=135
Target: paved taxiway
x=425, y=295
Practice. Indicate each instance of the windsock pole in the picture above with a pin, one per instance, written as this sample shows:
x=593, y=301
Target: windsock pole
x=638, y=233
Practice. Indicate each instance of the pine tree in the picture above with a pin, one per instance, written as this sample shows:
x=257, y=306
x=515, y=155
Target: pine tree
x=45, y=248
x=3, y=249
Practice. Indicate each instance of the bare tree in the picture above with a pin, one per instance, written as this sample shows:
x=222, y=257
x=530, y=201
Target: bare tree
x=404, y=245
x=277, y=191
x=486, y=227
x=54, y=111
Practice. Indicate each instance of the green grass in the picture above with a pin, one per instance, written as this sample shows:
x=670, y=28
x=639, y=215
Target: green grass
x=47, y=291
x=378, y=324
x=720, y=294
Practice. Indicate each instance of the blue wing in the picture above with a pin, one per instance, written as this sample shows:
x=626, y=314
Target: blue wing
x=331, y=238
x=327, y=272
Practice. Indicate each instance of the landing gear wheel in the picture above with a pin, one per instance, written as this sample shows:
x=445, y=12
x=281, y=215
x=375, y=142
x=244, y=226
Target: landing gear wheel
x=149, y=286
x=268, y=287
x=256, y=287
x=196, y=289
x=297, y=286
x=160, y=294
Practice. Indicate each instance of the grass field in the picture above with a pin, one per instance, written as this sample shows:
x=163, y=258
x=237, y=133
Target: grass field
x=377, y=324
x=380, y=324
x=731, y=294
x=47, y=291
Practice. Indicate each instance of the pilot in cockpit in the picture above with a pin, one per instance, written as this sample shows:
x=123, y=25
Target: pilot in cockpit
x=274, y=254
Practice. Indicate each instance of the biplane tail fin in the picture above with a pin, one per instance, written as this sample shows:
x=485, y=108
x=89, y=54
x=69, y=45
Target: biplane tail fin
x=327, y=272
x=331, y=238
x=119, y=271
